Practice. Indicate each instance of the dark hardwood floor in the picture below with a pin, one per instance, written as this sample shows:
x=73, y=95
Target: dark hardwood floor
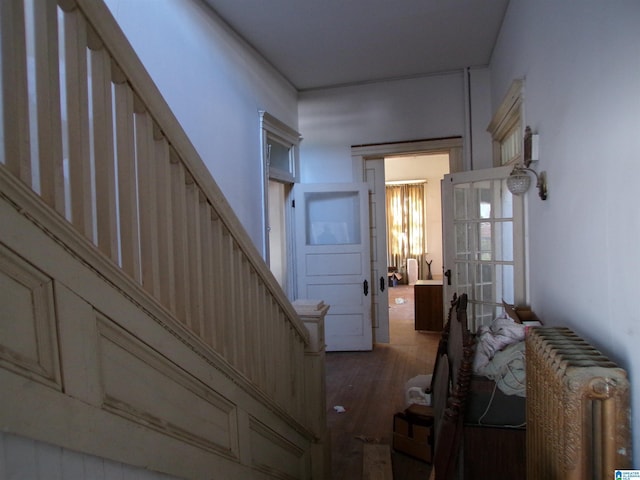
x=370, y=387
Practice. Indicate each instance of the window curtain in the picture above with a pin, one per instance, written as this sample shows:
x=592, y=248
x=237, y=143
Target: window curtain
x=405, y=225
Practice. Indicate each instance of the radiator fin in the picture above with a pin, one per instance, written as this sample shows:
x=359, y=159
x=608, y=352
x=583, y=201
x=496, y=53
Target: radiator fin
x=578, y=414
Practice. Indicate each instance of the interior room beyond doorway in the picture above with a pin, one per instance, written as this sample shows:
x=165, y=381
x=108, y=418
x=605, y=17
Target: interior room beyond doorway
x=427, y=170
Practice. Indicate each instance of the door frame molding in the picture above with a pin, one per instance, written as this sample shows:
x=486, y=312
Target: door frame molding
x=361, y=153
x=452, y=146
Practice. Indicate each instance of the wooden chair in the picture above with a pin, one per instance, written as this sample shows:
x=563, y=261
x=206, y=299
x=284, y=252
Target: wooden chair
x=443, y=349
x=448, y=418
x=449, y=390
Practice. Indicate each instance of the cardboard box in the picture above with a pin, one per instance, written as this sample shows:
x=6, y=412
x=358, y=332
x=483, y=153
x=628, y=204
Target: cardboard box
x=520, y=314
x=525, y=314
x=412, y=436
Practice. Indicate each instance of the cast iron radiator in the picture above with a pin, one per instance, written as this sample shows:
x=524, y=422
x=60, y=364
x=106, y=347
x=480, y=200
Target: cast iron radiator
x=578, y=415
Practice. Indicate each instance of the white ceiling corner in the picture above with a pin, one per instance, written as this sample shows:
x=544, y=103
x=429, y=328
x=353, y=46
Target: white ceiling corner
x=324, y=43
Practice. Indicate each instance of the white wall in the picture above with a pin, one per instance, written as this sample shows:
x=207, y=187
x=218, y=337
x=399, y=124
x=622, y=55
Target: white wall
x=480, y=112
x=215, y=86
x=333, y=120
x=581, y=64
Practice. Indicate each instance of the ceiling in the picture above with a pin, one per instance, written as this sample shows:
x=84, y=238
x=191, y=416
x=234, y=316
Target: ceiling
x=325, y=43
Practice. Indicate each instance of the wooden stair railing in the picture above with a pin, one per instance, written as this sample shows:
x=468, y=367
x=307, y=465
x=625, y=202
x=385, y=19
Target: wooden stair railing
x=85, y=129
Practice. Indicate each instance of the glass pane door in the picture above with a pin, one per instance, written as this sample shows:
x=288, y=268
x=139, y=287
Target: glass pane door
x=485, y=245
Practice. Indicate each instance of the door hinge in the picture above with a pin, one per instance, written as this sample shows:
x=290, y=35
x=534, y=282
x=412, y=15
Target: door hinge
x=293, y=204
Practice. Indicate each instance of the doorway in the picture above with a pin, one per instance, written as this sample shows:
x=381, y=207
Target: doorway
x=368, y=163
x=280, y=167
x=414, y=225
x=279, y=194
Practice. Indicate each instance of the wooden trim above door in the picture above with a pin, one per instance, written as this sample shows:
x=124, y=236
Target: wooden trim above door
x=452, y=146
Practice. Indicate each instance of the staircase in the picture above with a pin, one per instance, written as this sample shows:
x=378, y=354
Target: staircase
x=139, y=323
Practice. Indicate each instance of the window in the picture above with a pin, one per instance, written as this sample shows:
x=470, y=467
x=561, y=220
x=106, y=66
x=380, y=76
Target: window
x=506, y=127
x=405, y=223
x=280, y=146
x=405, y=219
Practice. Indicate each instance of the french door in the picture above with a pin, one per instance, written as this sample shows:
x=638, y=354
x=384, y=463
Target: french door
x=483, y=229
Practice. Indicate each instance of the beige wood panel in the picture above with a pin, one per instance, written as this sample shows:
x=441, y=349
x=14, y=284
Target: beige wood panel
x=147, y=200
x=77, y=126
x=44, y=414
x=48, y=115
x=28, y=343
x=15, y=104
x=127, y=187
x=164, y=205
x=142, y=372
x=27, y=458
x=78, y=346
x=142, y=385
x=274, y=454
x=194, y=256
x=208, y=268
x=121, y=392
x=179, y=213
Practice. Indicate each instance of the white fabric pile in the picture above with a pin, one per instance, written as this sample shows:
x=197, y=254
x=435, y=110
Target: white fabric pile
x=415, y=390
x=500, y=355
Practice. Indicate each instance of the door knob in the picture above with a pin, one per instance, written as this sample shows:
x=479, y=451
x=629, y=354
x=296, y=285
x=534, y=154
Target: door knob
x=448, y=275
x=366, y=288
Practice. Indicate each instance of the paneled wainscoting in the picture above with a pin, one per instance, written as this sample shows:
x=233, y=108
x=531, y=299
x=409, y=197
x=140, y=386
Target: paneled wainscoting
x=138, y=322
x=22, y=457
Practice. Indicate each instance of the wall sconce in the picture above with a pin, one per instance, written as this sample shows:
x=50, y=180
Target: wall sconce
x=518, y=181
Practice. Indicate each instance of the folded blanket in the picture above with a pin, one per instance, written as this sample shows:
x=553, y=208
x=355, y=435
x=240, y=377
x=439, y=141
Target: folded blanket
x=500, y=355
x=507, y=369
x=490, y=339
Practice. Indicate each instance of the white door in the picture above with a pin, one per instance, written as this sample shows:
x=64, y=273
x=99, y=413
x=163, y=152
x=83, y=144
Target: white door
x=483, y=239
x=374, y=174
x=333, y=259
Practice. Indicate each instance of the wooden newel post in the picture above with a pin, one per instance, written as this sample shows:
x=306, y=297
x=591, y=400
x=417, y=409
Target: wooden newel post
x=312, y=313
